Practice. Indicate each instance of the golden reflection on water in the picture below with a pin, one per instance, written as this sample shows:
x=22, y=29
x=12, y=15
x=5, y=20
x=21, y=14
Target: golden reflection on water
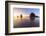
x=17, y=20
x=15, y=17
x=25, y=21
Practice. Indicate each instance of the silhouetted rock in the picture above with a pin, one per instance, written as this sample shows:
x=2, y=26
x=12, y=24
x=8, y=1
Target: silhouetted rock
x=21, y=16
x=32, y=15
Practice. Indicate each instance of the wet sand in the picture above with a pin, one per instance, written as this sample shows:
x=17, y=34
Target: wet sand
x=26, y=22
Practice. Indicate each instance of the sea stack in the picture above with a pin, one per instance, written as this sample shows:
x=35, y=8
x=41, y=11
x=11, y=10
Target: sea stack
x=32, y=15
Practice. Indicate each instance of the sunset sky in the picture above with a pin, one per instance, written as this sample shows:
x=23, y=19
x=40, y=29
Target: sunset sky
x=26, y=11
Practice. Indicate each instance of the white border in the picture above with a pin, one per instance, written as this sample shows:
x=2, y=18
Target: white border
x=16, y=30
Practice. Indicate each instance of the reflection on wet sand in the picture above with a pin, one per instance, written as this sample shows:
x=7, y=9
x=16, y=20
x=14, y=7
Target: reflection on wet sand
x=26, y=21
